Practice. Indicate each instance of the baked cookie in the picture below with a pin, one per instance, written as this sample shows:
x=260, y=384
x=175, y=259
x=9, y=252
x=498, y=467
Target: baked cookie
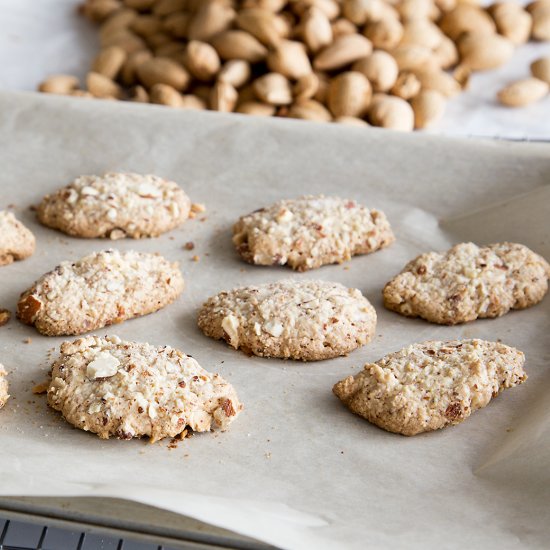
x=428, y=386
x=100, y=289
x=310, y=232
x=468, y=282
x=307, y=320
x=129, y=389
x=16, y=241
x=116, y=205
x=3, y=386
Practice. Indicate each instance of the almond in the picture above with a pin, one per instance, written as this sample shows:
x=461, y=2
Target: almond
x=202, y=60
x=512, y=21
x=177, y=24
x=349, y=94
x=235, y=72
x=211, y=19
x=406, y=86
x=438, y=80
x=102, y=87
x=146, y=25
x=523, y=92
x=306, y=87
x=59, y=84
x=361, y=11
x=412, y=56
x=309, y=109
x=316, y=29
x=109, y=61
x=480, y=52
x=99, y=10
x=166, y=7
x=343, y=51
x=541, y=69
x=541, y=21
x=466, y=18
x=239, y=45
x=385, y=34
x=290, y=59
x=351, y=121
x=260, y=23
x=273, y=88
x=256, y=108
x=422, y=33
x=128, y=73
x=161, y=70
x=223, y=97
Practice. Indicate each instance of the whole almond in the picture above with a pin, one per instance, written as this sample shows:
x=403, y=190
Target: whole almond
x=417, y=9
x=102, y=87
x=536, y=5
x=270, y=5
x=428, y=107
x=380, y=68
x=174, y=50
x=309, y=109
x=406, y=86
x=99, y=10
x=541, y=69
x=438, y=80
x=351, y=121
x=109, y=61
x=290, y=59
x=177, y=24
x=342, y=52
x=138, y=94
x=331, y=8
x=349, y=94
x=523, y=92
x=166, y=7
x=273, y=88
x=223, y=97
x=480, y=52
x=512, y=21
x=256, y=108
x=262, y=24
x=306, y=87
x=235, y=72
x=118, y=21
x=239, y=45
x=158, y=39
x=359, y=11
x=391, y=112
x=192, y=101
x=128, y=41
x=59, y=84
x=160, y=70
x=385, y=34
x=322, y=87
x=139, y=5
x=341, y=27
x=210, y=20
x=202, y=60
x=466, y=18
x=541, y=22
x=146, y=25
x=316, y=29
x=128, y=73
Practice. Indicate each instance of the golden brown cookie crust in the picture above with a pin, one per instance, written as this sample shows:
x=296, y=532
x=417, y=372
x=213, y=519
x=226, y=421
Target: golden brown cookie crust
x=16, y=241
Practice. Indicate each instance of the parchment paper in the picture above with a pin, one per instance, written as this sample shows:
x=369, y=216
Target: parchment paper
x=296, y=469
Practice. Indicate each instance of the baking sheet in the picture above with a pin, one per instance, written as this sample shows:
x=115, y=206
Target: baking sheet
x=296, y=469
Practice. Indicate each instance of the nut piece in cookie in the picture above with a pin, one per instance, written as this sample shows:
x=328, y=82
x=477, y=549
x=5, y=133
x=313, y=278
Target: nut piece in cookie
x=129, y=389
x=16, y=241
x=99, y=290
x=4, y=396
x=5, y=316
x=431, y=385
x=307, y=320
x=468, y=282
x=309, y=232
x=116, y=205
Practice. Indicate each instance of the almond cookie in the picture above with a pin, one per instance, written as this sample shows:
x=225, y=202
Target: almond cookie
x=116, y=206
x=309, y=232
x=307, y=320
x=428, y=386
x=468, y=282
x=16, y=241
x=3, y=386
x=99, y=290
x=129, y=389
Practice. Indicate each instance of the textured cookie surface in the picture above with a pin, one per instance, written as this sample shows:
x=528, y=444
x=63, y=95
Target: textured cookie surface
x=128, y=389
x=309, y=232
x=430, y=385
x=468, y=282
x=16, y=241
x=307, y=320
x=100, y=289
x=116, y=205
x=3, y=386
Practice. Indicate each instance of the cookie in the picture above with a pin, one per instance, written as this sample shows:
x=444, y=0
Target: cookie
x=309, y=232
x=130, y=389
x=468, y=282
x=99, y=290
x=431, y=385
x=307, y=320
x=16, y=241
x=3, y=386
x=116, y=206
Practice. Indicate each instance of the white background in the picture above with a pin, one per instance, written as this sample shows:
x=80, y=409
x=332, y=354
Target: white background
x=41, y=37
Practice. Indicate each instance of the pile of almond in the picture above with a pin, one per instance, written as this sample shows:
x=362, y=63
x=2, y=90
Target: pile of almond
x=390, y=63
